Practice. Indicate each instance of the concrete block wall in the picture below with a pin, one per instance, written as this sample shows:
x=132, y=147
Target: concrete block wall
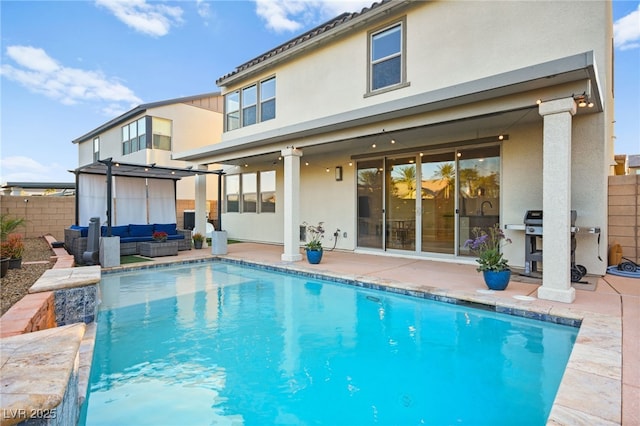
x=43, y=215
x=624, y=214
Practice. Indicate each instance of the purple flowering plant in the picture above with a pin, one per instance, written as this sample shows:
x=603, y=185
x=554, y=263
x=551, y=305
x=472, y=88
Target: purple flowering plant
x=315, y=234
x=487, y=246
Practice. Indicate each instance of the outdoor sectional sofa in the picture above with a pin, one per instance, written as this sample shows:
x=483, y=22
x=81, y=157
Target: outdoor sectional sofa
x=75, y=237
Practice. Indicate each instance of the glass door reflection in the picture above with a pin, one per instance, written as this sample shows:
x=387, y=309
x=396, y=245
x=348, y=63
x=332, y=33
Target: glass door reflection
x=479, y=174
x=370, y=207
x=400, y=201
x=438, y=181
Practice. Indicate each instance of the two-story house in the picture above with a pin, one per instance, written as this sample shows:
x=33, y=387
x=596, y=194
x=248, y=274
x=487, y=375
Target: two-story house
x=409, y=123
x=148, y=135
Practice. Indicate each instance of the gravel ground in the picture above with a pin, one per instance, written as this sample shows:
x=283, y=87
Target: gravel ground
x=16, y=283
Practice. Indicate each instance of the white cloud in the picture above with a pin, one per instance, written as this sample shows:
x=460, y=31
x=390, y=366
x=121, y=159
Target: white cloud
x=626, y=31
x=40, y=73
x=150, y=19
x=291, y=15
x=204, y=9
x=25, y=169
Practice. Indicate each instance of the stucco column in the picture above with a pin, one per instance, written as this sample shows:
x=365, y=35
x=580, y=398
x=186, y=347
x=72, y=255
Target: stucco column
x=201, y=203
x=556, y=200
x=291, y=158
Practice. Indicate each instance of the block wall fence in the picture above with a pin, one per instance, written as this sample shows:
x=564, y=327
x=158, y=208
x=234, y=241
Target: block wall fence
x=50, y=215
x=624, y=214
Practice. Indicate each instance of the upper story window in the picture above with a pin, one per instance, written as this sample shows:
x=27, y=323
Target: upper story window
x=96, y=149
x=134, y=135
x=161, y=133
x=232, y=108
x=268, y=99
x=250, y=105
x=387, y=58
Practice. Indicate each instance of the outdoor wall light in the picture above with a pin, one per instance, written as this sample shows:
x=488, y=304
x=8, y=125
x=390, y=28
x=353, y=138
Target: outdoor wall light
x=338, y=173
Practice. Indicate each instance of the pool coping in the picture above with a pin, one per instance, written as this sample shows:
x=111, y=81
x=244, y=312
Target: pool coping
x=590, y=391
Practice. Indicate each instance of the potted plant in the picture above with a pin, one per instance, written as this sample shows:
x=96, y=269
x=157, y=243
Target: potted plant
x=198, y=239
x=487, y=245
x=313, y=246
x=13, y=248
x=159, y=236
x=7, y=225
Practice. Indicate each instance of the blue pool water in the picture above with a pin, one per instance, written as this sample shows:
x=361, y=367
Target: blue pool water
x=219, y=343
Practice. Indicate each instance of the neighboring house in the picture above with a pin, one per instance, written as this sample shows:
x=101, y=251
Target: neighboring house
x=634, y=164
x=150, y=133
x=508, y=103
x=39, y=188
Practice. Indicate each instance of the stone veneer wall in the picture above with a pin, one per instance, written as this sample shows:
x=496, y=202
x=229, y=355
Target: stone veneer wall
x=624, y=214
x=78, y=304
x=32, y=313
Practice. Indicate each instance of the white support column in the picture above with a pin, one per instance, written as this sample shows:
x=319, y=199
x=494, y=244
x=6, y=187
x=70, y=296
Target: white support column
x=201, y=203
x=556, y=200
x=291, y=158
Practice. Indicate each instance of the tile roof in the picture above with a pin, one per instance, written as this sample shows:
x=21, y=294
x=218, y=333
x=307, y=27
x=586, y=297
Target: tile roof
x=303, y=38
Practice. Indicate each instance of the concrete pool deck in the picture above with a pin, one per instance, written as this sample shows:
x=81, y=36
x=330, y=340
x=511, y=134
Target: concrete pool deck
x=602, y=382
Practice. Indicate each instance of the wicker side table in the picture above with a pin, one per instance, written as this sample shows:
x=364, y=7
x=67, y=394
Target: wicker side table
x=157, y=249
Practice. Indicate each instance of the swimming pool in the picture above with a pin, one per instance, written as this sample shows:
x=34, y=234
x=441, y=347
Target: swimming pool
x=224, y=343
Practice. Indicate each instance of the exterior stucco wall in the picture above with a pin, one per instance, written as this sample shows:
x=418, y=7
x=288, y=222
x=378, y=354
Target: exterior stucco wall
x=322, y=199
x=439, y=54
x=192, y=127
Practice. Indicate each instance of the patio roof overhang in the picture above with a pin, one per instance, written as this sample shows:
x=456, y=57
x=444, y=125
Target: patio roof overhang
x=574, y=74
x=118, y=168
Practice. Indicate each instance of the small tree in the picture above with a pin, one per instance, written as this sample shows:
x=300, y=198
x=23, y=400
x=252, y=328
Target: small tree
x=8, y=225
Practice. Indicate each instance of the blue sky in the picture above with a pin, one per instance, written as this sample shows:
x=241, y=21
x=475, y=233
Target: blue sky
x=69, y=66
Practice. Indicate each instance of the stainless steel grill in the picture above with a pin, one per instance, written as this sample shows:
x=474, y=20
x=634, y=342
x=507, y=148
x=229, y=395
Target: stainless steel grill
x=533, y=227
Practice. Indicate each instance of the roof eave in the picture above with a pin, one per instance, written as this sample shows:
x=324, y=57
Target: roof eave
x=274, y=57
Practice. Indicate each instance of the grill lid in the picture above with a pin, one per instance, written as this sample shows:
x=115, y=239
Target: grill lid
x=533, y=217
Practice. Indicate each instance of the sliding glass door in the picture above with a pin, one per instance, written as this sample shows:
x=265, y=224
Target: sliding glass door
x=428, y=203
x=438, y=202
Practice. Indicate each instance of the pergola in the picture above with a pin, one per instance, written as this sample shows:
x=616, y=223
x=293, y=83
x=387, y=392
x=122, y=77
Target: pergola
x=111, y=168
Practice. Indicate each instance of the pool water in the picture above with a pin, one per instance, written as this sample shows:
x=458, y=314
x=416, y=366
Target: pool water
x=220, y=343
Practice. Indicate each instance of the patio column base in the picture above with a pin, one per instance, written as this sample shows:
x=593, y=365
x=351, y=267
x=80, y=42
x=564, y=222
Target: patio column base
x=109, y=251
x=290, y=257
x=557, y=295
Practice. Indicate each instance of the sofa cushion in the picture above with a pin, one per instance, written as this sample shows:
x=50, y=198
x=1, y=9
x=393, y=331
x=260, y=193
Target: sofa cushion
x=169, y=228
x=140, y=230
x=84, y=230
x=116, y=231
x=175, y=237
x=136, y=239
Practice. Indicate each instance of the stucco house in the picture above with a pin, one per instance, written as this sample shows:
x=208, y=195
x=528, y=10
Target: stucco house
x=491, y=109
x=149, y=134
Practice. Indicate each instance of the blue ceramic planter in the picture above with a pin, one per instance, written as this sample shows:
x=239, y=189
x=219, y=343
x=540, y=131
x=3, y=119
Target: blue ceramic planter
x=314, y=256
x=497, y=280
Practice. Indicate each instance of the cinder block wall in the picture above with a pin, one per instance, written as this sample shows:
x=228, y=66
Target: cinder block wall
x=51, y=215
x=43, y=215
x=624, y=214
